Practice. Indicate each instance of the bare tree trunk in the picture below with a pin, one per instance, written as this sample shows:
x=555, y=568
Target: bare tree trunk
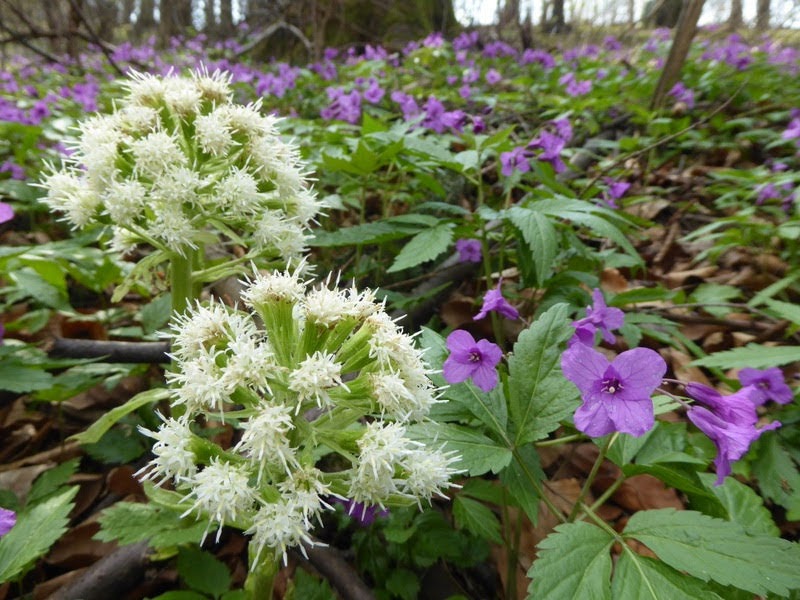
x=73, y=24
x=736, y=19
x=145, y=21
x=631, y=12
x=226, y=17
x=684, y=34
x=211, y=20
x=508, y=18
x=559, y=23
x=126, y=11
x=176, y=17
x=762, y=15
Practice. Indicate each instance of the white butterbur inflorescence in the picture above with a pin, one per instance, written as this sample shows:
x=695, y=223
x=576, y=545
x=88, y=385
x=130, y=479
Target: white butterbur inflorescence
x=323, y=403
x=178, y=160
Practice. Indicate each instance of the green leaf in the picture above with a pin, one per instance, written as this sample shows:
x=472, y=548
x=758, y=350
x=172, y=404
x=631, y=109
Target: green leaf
x=20, y=379
x=708, y=294
x=777, y=474
x=203, y=572
x=642, y=578
x=107, y=421
x=519, y=478
x=35, y=531
x=403, y=583
x=129, y=522
x=626, y=447
x=753, y=355
x=423, y=247
x=574, y=562
x=541, y=237
x=476, y=518
x=181, y=595
x=368, y=233
x=741, y=503
x=784, y=310
x=674, y=475
x=478, y=453
x=52, y=479
x=156, y=314
x=117, y=447
x=722, y=551
x=539, y=395
x=307, y=587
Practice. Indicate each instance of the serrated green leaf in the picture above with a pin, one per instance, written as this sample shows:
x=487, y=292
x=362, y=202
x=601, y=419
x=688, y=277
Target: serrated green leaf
x=117, y=447
x=777, y=474
x=107, y=421
x=741, y=503
x=403, y=583
x=708, y=294
x=368, y=233
x=424, y=246
x=519, y=478
x=541, y=237
x=52, y=479
x=722, y=551
x=35, y=531
x=626, y=446
x=156, y=314
x=643, y=578
x=307, y=587
x=539, y=395
x=753, y=355
x=203, y=572
x=129, y=522
x=20, y=379
x=574, y=562
x=479, y=453
x=784, y=310
x=476, y=518
x=674, y=475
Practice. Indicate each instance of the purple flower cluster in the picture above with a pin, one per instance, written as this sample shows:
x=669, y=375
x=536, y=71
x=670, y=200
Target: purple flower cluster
x=345, y=106
x=541, y=57
x=574, y=86
x=681, y=93
x=549, y=145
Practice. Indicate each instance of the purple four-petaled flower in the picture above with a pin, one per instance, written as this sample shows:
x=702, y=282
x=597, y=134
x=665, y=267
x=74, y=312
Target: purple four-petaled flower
x=616, y=394
x=599, y=317
x=471, y=359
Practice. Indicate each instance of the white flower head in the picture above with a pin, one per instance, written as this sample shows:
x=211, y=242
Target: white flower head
x=213, y=133
x=222, y=492
x=274, y=286
x=279, y=526
x=429, y=472
x=182, y=95
x=214, y=86
x=265, y=439
x=238, y=193
x=174, y=458
x=314, y=376
x=124, y=201
x=156, y=153
x=326, y=307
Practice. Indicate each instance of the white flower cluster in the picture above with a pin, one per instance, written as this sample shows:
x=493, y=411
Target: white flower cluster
x=179, y=158
x=326, y=373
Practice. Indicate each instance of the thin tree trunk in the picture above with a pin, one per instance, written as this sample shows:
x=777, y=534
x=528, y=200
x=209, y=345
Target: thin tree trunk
x=762, y=15
x=736, y=18
x=145, y=21
x=211, y=21
x=684, y=34
x=226, y=17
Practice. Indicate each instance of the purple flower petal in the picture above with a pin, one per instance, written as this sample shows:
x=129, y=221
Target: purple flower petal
x=768, y=384
x=8, y=519
x=6, y=212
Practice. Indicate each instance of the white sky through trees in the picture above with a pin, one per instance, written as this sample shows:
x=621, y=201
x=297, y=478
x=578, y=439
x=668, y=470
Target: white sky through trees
x=785, y=13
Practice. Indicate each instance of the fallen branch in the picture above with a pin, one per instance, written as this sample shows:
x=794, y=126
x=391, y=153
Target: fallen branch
x=110, y=351
x=331, y=565
x=110, y=577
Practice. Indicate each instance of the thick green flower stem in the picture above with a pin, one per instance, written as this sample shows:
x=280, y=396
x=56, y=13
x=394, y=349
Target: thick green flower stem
x=181, y=281
x=261, y=577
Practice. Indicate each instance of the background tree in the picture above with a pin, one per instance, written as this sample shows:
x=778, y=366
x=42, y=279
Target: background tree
x=762, y=14
x=736, y=19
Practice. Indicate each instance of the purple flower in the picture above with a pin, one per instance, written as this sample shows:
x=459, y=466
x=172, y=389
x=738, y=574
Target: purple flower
x=792, y=130
x=465, y=40
x=344, y=106
x=494, y=301
x=731, y=439
x=374, y=92
x=438, y=119
x=551, y=146
x=8, y=519
x=407, y=104
x=542, y=57
x=493, y=77
x=682, y=94
x=616, y=395
x=469, y=250
x=735, y=408
x=768, y=384
x=363, y=514
x=599, y=317
x=575, y=87
x=6, y=212
x=16, y=171
x=563, y=128
x=469, y=358
x=515, y=159
x=615, y=191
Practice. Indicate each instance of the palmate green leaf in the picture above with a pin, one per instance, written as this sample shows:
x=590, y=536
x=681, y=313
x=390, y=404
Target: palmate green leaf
x=424, y=246
x=35, y=531
x=722, y=551
x=539, y=395
x=541, y=237
x=753, y=355
x=129, y=522
x=573, y=563
x=479, y=453
x=476, y=518
x=107, y=421
x=643, y=578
